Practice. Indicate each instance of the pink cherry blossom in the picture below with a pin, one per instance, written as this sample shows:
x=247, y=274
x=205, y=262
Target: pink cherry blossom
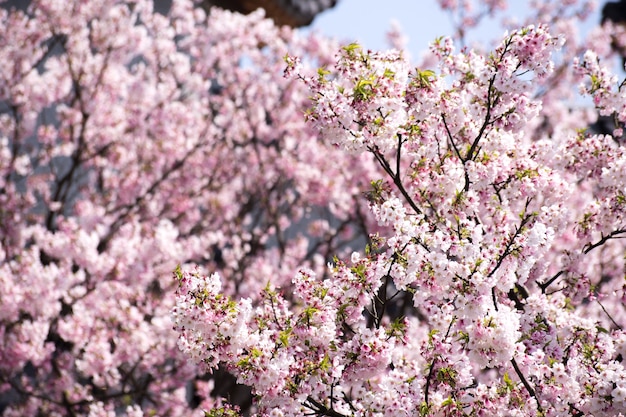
x=206, y=214
x=482, y=292
x=130, y=142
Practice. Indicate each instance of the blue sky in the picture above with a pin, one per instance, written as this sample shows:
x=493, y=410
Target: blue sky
x=367, y=21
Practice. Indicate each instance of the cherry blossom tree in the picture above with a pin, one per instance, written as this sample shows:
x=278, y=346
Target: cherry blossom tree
x=495, y=284
x=130, y=142
x=439, y=238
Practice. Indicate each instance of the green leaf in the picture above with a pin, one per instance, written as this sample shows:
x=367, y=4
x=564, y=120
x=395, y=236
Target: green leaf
x=321, y=74
x=431, y=334
x=352, y=48
x=389, y=73
x=178, y=273
x=448, y=401
x=359, y=270
x=423, y=78
x=447, y=376
x=307, y=315
x=325, y=364
x=397, y=328
x=225, y=411
x=510, y=385
x=364, y=89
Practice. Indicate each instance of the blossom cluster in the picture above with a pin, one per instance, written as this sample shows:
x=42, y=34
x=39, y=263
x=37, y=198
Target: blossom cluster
x=132, y=141
x=439, y=239
x=495, y=285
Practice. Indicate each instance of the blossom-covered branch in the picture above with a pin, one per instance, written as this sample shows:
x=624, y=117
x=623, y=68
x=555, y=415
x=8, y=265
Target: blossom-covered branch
x=502, y=238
